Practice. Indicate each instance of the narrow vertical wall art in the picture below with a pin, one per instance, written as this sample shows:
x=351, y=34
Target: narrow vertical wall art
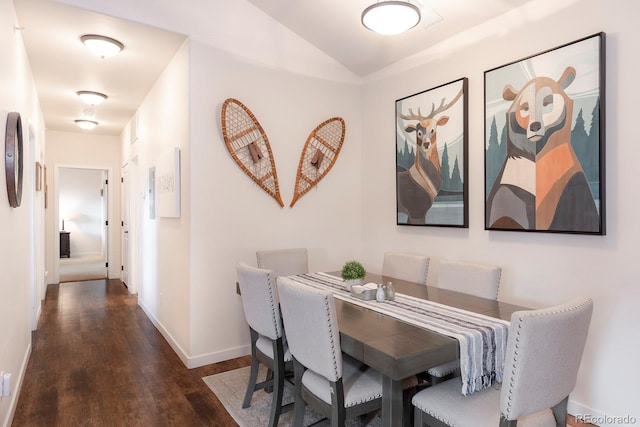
x=318, y=156
x=168, y=184
x=249, y=146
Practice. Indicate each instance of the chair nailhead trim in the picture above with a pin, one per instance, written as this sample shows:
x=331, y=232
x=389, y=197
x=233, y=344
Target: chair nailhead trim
x=517, y=345
x=333, y=344
x=272, y=301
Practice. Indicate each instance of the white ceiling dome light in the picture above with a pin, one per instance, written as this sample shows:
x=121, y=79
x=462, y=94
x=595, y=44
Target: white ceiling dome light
x=91, y=98
x=86, y=124
x=391, y=17
x=102, y=46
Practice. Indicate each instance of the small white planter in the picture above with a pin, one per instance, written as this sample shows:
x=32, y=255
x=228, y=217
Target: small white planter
x=351, y=282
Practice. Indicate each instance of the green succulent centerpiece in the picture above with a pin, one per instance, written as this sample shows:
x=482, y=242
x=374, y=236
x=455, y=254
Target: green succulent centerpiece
x=353, y=272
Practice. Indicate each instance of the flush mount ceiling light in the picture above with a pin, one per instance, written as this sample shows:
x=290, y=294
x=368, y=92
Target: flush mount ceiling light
x=101, y=45
x=391, y=17
x=91, y=98
x=86, y=124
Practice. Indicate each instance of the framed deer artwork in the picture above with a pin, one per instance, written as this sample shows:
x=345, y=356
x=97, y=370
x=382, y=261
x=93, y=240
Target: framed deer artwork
x=431, y=157
x=544, y=141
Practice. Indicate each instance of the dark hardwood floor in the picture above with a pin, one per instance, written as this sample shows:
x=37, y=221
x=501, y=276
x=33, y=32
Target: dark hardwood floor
x=97, y=360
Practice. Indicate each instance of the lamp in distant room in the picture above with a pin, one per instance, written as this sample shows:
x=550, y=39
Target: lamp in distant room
x=390, y=17
x=102, y=46
x=91, y=98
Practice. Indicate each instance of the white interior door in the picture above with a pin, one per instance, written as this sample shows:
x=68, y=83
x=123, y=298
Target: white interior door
x=125, y=225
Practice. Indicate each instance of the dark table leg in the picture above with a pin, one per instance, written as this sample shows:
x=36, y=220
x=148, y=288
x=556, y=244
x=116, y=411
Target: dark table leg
x=391, y=402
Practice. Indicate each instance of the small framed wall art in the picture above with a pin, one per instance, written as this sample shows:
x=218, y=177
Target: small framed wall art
x=544, y=141
x=38, y=176
x=167, y=184
x=431, y=157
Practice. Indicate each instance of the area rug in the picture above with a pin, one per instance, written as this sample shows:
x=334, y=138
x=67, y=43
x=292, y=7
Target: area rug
x=230, y=387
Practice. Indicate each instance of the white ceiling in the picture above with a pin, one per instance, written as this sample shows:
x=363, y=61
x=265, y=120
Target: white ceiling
x=61, y=65
x=334, y=26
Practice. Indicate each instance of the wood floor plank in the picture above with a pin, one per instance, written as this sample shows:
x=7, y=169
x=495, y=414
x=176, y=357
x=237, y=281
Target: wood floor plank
x=97, y=360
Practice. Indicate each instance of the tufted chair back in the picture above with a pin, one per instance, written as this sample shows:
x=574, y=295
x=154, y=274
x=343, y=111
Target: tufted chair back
x=405, y=266
x=312, y=328
x=284, y=262
x=475, y=279
x=543, y=356
x=259, y=300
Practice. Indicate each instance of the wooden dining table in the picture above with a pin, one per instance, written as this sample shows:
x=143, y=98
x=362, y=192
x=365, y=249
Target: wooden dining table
x=399, y=350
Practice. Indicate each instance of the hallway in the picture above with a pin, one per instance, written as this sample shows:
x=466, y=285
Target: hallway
x=98, y=360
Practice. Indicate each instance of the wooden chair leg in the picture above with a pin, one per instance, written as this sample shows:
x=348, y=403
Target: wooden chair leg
x=278, y=383
x=338, y=412
x=299, y=404
x=269, y=378
x=253, y=376
x=417, y=418
x=560, y=412
x=507, y=423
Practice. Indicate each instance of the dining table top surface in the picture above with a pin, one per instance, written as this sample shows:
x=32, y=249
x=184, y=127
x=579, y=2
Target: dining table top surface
x=399, y=349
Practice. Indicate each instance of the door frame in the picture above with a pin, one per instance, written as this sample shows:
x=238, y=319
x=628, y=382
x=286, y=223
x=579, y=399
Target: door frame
x=130, y=170
x=37, y=267
x=56, y=217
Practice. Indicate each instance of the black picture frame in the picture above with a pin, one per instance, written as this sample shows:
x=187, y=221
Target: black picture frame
x=545, y=141
x=431, y=157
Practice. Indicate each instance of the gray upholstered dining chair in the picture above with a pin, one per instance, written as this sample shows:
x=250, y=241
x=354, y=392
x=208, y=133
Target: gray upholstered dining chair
x=470, y=278
x=335, y=385
x=406, y=266
x=284, y=262
x=268, y=346
x=544, y=351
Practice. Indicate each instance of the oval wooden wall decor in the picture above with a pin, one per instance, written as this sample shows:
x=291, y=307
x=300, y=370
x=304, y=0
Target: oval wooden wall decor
x=318, y=156
x=249, y=146
x=13, y=162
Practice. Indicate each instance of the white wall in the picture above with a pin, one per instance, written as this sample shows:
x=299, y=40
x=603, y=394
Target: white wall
x=82, y=150
x=232, y=217
x=187, y=289
x=163, y=247
x=538, y=269
x=20, y=289
x=80, y=196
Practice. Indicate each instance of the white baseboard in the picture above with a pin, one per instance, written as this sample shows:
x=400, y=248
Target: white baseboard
x=197, y=361
x=160, y=327
x=218, y=356
x=37, y=316
x=15, y=393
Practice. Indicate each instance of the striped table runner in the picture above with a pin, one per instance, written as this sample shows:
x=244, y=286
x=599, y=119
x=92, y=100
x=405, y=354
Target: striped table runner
x=482, y=339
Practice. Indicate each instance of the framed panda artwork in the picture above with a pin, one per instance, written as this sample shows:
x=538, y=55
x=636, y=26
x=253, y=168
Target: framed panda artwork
x=544, y=141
